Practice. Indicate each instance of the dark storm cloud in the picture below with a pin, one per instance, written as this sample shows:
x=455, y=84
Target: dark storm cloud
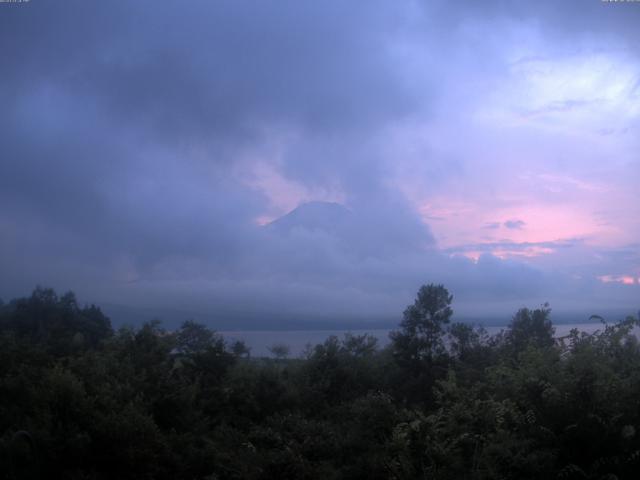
x=204, y=67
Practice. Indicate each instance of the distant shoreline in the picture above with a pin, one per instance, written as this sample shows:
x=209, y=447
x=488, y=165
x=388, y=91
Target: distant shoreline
x=259, y=341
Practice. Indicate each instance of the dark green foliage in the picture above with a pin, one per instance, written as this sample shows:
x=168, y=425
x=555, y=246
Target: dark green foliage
x=531, y=328
x=419, y=346
x=420, y=339
x=443, y=401
x=280, y=350
x=56, y=323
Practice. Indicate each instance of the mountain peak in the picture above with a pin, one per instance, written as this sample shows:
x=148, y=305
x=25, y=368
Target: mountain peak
x=326, y=216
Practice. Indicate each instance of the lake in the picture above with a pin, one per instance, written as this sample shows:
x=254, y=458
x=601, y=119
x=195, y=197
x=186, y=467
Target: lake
x=260, y=341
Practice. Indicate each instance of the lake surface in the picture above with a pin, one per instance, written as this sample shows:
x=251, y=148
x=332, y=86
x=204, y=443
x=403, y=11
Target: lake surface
x=297, y=340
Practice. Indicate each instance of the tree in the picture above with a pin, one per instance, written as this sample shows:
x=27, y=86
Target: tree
x=420, y=339
x=531, y=328
x=360, y=345
x=195, y=338
x=240, y=349
x=204, y=350
x=57, y=322
x=280, y=350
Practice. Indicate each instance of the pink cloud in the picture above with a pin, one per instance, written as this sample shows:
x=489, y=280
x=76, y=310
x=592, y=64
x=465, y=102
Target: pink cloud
x=623, y=279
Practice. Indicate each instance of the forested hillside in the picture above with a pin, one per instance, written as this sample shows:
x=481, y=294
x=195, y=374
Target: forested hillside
x=443, y=401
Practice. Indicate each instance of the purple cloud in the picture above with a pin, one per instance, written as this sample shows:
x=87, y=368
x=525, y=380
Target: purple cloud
x=514, y=224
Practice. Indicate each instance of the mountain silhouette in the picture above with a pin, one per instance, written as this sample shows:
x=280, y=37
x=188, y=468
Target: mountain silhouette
x=329, y=217
x=360, y=233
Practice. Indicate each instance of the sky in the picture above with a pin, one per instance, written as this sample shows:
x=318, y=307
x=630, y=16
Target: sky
x=269, y=161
